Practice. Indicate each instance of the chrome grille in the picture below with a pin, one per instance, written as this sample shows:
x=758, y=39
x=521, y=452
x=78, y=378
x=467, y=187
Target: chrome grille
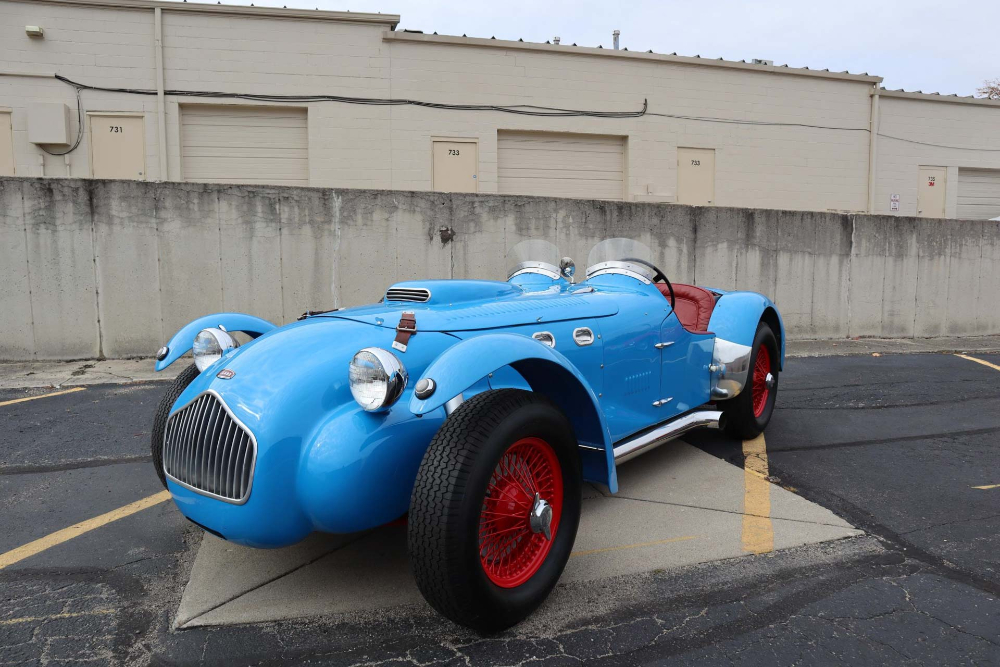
x=415, y=294
x=208, y=450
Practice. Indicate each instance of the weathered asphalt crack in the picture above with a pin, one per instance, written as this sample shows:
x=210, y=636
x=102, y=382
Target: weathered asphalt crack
x=883, y=441
x=73, y=465
x=891, y=539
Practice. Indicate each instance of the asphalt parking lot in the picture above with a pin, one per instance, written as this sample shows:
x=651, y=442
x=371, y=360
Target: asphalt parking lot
x=901, y=447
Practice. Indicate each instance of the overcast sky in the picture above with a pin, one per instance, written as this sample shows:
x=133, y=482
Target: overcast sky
x=941, y=46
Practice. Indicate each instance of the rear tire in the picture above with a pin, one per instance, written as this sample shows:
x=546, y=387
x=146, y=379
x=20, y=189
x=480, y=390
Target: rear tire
x=747, y=415
x=179, y=384
x=476, y=555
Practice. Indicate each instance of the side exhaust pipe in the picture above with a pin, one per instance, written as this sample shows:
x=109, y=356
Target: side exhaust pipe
x=644, y=442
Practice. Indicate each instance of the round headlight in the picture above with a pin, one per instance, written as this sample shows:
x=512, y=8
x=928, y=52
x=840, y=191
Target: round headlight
x=377, y=378
x=210, y=345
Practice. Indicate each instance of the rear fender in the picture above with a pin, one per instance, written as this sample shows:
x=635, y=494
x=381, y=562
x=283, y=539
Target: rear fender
x=546, y=371
x=734, y=322
x=183, y=340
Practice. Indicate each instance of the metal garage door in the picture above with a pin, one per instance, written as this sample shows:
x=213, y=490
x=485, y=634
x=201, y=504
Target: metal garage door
x=236, y=144
x=978, y=193
x=561, y=165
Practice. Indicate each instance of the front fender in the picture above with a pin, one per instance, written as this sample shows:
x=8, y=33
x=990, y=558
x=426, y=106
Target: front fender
x=183, y=340
x=546, y=371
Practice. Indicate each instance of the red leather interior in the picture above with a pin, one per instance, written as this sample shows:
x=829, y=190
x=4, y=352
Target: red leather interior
x=694, y=305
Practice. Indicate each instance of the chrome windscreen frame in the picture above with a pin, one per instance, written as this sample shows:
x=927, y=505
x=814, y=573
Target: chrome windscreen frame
x=541, y=268
x=620, y=267
x=253, y=459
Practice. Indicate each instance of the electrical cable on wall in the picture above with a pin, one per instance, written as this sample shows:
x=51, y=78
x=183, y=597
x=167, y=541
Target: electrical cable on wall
x=518, y=109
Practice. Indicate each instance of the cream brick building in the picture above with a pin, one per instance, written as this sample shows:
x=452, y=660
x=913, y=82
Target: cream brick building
x=714, y=132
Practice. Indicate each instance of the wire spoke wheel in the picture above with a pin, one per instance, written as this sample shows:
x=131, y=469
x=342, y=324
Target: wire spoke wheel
x=495, y=508
x=761, y=390
x=510, y=550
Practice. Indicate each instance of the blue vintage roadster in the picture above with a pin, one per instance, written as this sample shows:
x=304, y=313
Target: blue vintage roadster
x=476, y=407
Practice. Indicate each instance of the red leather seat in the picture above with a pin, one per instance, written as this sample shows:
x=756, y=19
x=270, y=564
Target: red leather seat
x=694, y=305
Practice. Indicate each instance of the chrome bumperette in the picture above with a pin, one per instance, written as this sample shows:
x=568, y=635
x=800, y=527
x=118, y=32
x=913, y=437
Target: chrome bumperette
x=644, y=442
x=730, y=366
x=542, y=268
x=631, y=269
x=408, y=294
x=207, y=449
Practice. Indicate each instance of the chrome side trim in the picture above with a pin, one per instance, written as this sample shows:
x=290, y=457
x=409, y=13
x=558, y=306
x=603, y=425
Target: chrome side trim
x=189, y=462
x=640, y=444
x=453, y=404
x=732, y=365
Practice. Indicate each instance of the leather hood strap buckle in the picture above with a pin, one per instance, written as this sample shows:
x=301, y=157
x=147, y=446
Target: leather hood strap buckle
x=407, y=327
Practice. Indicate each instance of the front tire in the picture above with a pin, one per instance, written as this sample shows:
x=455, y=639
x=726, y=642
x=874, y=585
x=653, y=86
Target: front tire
x=477, y=554
x=747, y=415
x=179, y=384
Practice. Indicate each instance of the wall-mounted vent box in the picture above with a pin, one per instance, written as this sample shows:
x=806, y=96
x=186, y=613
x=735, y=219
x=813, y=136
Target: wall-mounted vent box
x=48, y=123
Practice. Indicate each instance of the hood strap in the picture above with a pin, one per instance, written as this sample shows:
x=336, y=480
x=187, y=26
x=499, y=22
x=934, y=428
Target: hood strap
x=407, y=327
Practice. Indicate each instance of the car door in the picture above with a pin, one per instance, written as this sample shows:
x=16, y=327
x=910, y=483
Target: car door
x=685, y=381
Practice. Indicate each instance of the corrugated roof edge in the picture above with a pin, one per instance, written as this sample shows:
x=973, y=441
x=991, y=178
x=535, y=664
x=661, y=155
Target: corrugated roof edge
x=390, y=20
x=634, y=55
x=938, y=97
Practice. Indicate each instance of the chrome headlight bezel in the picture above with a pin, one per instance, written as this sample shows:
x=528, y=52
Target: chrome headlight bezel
x=389, y=371
x=210, y=345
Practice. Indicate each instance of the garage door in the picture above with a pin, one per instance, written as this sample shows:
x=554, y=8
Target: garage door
x=978, y=193
x=561, y=165
x=235, y=144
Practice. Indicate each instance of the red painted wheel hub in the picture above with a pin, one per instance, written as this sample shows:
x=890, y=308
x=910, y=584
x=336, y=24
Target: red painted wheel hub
x=761, y=391
x=509, y=550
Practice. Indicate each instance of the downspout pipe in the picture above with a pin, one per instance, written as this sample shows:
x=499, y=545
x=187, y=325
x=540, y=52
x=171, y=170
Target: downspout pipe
x=161, y=103
x=873, y=146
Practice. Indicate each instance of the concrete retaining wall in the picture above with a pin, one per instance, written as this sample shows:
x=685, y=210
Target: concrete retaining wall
x=113, y=268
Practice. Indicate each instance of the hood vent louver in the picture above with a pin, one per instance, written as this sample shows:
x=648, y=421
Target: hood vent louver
x=409, y=294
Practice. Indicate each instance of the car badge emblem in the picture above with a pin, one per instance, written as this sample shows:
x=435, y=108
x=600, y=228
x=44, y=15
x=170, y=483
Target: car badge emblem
x=226, y=374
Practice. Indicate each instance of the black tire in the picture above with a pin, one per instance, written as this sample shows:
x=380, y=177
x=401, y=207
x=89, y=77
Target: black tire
x=449, y=500
x=179, y=384
x=739, y=418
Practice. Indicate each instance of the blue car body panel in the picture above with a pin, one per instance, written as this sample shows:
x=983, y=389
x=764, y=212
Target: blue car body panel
x=324, y=464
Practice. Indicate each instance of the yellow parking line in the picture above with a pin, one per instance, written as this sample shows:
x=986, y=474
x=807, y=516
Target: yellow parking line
x=60, y=536
x=758, y=531
x=34, y=398
x=988, y=487
x=72, y=614
x=979, y=361
x=590, y=552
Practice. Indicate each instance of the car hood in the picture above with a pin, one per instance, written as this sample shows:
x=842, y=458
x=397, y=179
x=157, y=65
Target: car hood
x=471, y=305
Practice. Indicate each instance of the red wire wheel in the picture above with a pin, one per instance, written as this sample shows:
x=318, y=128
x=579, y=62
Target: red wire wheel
x=509, y=551
x=761, y=369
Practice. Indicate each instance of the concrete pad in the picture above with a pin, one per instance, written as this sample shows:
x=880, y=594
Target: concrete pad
x=679, y=507
x=33, y=374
